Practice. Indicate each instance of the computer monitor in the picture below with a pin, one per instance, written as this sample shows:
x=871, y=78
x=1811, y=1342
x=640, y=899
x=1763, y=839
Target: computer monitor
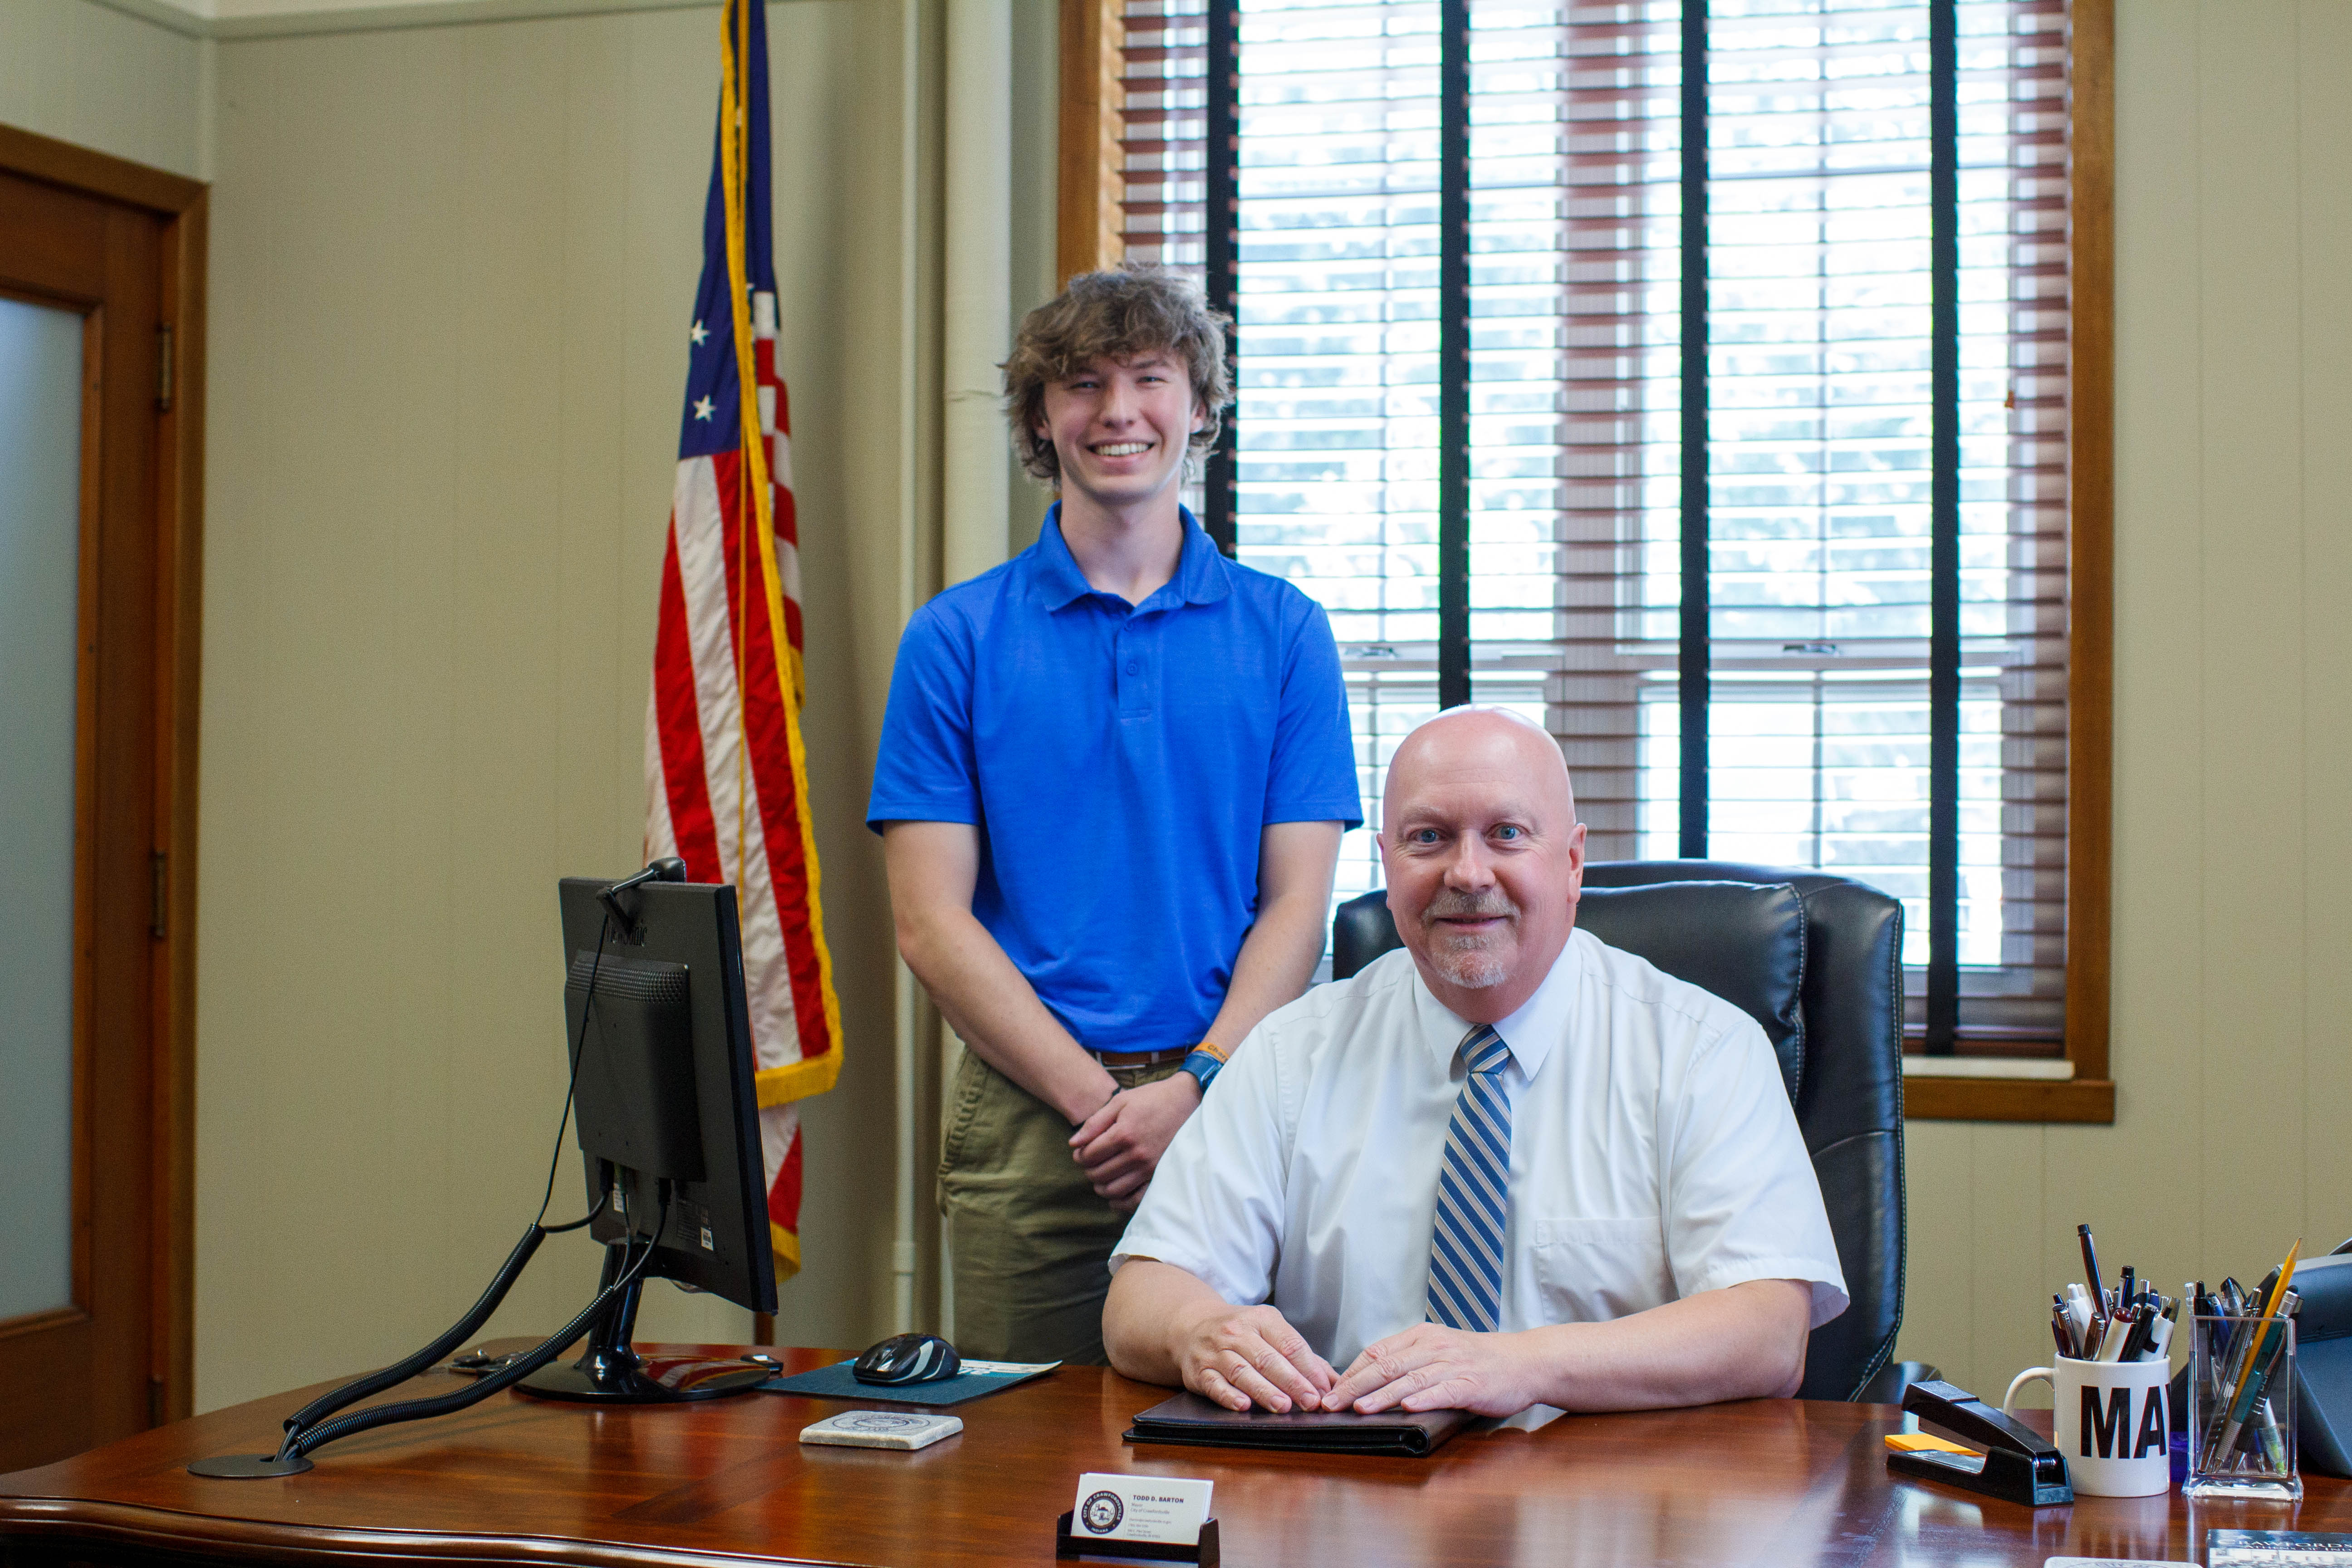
x=667, y=1122
x=670, y=1131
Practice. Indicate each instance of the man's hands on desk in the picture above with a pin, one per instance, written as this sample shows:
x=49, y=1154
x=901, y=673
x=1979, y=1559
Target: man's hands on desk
x=1164, y=1324
x=1243, y=1355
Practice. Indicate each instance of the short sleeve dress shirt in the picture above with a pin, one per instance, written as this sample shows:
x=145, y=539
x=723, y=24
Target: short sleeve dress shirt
x=1654, y=1155
x=1121, y=763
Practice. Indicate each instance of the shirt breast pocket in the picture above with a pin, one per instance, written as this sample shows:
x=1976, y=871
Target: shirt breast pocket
x=1593, y=1270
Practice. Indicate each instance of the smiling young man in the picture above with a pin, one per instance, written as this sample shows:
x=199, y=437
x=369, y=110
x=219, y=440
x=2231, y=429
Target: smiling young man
x=1111, y=784
x=1507, y=1165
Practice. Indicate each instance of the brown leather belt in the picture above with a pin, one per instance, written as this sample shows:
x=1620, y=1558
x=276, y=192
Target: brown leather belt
x=1142, y=1058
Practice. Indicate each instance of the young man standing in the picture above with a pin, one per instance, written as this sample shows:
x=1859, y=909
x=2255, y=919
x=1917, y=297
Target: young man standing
x=1111, y=784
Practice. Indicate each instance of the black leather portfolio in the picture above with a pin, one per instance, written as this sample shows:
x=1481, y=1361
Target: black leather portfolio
x=1189, y=1418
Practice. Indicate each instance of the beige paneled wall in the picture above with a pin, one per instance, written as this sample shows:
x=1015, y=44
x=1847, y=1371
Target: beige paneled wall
x=84, y=73
x=2233, y=712
x=453, y=272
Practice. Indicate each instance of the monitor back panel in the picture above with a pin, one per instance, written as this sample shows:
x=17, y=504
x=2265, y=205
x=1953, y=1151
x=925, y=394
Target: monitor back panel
x=716, y=1235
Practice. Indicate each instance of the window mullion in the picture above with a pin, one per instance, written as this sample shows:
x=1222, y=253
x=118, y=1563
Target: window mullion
x=1696, y=632
x=1220, y=246
x=1453, y=355
x=1944, y=532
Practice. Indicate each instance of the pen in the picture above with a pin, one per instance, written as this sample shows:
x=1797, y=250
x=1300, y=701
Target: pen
x=2269, y=1309
x=2206, y=1304
x=2091, y=1268
x=2123, y=1298
x=2269, y=1344
x=2273, y=1442
x=2265, y=1344
x=2078, y=1319
x=2266, y=1425
x=2142, y=1332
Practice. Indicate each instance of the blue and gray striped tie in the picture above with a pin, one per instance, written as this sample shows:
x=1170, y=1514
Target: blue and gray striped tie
x=1466, y=1258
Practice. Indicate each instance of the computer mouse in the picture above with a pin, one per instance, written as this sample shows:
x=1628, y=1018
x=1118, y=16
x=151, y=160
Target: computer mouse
x=908, y=1358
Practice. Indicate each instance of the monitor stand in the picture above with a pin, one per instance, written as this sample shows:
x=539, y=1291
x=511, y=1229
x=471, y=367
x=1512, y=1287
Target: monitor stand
x=611, y=1372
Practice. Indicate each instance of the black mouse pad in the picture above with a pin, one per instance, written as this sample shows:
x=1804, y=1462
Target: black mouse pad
x=978, y=1379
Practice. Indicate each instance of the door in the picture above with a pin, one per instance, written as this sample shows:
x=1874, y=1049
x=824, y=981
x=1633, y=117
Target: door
x=81, y=362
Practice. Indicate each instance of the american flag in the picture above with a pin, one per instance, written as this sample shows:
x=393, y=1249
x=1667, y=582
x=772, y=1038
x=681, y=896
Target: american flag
x=726, y=773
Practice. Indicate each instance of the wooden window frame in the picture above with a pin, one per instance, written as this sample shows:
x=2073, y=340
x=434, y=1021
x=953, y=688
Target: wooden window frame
x=1086, y=207
x=184, y=205
x=1091, y=182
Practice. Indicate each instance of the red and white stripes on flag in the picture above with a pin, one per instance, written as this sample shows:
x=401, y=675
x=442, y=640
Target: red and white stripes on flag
x=726, y=771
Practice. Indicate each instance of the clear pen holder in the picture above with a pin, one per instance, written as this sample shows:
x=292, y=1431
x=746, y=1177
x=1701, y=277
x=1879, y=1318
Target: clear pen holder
x=2242, y=1410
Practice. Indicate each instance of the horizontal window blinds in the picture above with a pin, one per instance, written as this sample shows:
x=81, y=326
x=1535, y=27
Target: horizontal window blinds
x=1818, y=412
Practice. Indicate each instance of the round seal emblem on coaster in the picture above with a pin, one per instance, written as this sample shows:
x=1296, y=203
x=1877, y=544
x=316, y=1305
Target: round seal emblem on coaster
x=1102, y=1513
x=880, y=1421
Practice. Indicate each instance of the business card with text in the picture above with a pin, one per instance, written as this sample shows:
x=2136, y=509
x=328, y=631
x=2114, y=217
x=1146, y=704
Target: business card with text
x=1141, y=1508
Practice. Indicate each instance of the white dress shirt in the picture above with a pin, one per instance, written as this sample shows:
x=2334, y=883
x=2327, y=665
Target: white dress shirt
x=1654, y=1155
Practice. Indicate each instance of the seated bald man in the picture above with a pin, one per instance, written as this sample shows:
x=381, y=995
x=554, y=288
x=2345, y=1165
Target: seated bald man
x=1507, y=1165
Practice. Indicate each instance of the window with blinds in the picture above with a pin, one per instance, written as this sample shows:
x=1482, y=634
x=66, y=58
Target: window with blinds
x=1817, y=397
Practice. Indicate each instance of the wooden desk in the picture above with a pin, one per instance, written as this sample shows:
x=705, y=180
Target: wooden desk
x=516, y=1479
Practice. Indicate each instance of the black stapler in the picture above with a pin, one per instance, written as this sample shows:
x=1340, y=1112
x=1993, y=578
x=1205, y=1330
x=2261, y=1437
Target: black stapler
x=2020, y=1465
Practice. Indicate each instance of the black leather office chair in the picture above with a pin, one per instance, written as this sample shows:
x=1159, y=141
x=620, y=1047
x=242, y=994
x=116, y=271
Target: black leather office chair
x=1817, y=960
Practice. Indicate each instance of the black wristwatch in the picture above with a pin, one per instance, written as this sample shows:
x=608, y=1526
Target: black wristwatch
x=1204, y=1064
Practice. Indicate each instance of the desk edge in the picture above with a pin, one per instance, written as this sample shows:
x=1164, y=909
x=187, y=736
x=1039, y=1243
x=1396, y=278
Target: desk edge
x=59, y=1519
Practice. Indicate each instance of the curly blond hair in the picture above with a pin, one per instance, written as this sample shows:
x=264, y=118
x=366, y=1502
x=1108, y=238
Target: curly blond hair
x=1115, y=315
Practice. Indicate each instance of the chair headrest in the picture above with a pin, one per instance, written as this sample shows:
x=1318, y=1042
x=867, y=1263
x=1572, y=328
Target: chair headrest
x=1742, y=941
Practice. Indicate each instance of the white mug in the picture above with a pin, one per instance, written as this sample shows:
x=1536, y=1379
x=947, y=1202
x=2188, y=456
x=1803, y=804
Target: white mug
x=2109, y=1418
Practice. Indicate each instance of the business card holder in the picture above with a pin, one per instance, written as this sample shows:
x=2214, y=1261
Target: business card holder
x=1203, y=1552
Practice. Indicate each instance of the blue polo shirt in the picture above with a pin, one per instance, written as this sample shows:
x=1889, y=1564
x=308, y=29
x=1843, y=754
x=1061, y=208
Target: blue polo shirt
x=1120, y=762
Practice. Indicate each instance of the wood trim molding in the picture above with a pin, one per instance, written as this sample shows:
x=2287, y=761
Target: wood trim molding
x=232, y=20
x=2090, y=622
x=179, y=625
x=1087, y=211
x=42, y=1322
x=2090, y=557
x=59, y=162
x=2008, y=1100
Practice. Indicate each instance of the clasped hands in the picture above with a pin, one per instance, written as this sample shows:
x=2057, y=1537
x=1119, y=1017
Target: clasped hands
x=1243, y=1355
x=1120, y=1145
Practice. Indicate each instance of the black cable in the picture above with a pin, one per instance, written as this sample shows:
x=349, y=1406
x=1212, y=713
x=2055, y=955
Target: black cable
x=471, y=1323
x=570, y=1083
x=602, y=1199
x=458, y=1333
x=301, y=1444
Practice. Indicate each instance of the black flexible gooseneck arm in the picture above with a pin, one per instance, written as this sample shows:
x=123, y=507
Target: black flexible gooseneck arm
x=301, y=1442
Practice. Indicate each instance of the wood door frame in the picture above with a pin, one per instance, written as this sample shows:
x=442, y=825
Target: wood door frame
x=178, y=517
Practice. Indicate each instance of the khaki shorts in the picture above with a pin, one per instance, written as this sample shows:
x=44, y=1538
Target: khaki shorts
x=1030, y=1241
